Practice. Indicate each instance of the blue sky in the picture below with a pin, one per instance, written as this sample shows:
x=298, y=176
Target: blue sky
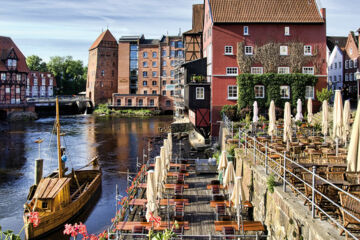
x=68, y=27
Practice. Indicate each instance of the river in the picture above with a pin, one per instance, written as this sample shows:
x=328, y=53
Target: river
x=117, y=142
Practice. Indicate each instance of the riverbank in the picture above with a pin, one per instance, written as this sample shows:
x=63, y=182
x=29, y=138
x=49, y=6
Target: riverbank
x=103, y=110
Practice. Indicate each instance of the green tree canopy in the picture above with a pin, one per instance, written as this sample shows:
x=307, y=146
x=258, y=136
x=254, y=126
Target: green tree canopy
x=35, y=63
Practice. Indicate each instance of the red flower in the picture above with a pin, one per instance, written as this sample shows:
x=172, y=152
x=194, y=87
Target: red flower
x=82, y=229
x=93, y=237
x=156, y=220
x=69, y=229
x=34, y=218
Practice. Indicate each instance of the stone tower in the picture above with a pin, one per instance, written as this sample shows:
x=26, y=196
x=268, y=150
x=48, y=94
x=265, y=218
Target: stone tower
x=102, y=69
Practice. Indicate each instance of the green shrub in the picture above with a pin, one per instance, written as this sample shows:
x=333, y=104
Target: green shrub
x=230, y=111
x=324, y=94
x=271, y=183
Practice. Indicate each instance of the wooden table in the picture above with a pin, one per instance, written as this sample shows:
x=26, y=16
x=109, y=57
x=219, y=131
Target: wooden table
x=128, y=226
x=175, y=174
x=209, y=186
x=168, y=185
x=228, y=203
x=248, y=225
x=177, y=165
x=163, y=202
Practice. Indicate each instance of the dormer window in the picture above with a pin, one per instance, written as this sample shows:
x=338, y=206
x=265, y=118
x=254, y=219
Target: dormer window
x=11, y=62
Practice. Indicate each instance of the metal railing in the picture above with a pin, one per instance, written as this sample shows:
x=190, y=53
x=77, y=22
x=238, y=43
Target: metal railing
x=279, y=168
x=121, y=235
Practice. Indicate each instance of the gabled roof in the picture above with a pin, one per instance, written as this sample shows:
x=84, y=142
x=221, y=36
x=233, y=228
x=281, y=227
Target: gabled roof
x=6, y=46
x=48, y=188
x=265, y=11
x=104, y=36
x=332, y=41
x=197, y=19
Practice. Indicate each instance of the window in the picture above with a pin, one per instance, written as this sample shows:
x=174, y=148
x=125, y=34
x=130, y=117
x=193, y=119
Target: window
x=154, y=83
x=200, y=93
x=248, y=50
x=102, y=73
x=335, y=79
x=331, y=78
x=168, y=103
x=145, y=54
x=339, y=65
x=164, y=63
x=232, y=92
x=44, y=205
x=228, y=50
x=152, y=102
x=164, y=82
x=154, y=74
x=331, y=66
x=154, y=54
x=180, y=53
x=287, y=31
x=18, y=77
x=179, y=44
x=172, y=43
x=172, y=73
x=35, y=82
x=346, y=77
x=346, y=64
x=163, y=53
x=340, y=78
x=354, y=77
x=172, y=53
x=145, y=92
x=118, y=102
x=285, y=92
x=351, y=63
x=145, y=64
x=351, y=77
x=172, y=63
x=257, y=70
x=283, y=50
x=17, y=90
x=259, y=91
x=232, y=71
x=307, y=50
x=129, y=102
x=154, y=64
x=309, y=92
x=283, y=70
x=355, y=63
x=144, y=83
x=154, y=92
x=308, y=70
x=163, y=73
x=7, y=90
x=145, y=74
x=246, y=30
x=43, y=81
x=335, y=65
x=171, y=93
x=141, y=102
x=3, y=76
x=351, y=51
x=164, y=93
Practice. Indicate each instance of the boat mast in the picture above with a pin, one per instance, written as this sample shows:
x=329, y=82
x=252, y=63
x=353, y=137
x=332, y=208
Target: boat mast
x=58, y=137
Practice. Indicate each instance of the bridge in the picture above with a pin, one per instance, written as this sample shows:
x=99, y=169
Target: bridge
x=67, y=104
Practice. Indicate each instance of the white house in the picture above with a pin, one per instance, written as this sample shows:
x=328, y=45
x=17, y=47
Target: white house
x=335, y=69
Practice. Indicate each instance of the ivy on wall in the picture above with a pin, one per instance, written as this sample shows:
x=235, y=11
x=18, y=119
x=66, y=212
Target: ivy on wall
x=268, y=55
x=272, y=82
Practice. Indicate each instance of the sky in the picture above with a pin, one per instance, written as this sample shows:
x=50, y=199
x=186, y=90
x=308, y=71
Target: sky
x=68, y=27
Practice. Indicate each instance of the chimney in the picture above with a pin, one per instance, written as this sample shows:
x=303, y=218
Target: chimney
x=323, y=13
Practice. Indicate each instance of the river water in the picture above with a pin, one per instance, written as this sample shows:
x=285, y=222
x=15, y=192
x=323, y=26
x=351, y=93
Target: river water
x=117, y=142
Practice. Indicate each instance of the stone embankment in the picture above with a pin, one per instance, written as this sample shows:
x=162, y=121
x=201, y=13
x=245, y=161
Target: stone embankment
x=21, y=116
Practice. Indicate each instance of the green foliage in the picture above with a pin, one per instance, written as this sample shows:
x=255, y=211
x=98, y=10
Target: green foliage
x=272, y=83
x=103, y=109
x=166, y=235
x=231, y=111
x=231, y=150
x=324, y=94
x=10, y=235
x=70, y=74
x=271, y=183
x=216, y=155
x=35, y=63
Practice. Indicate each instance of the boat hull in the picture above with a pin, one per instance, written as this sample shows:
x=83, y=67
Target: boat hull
x=57, y=219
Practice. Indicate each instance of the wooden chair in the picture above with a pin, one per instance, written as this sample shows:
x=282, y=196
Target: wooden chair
x=228, y=231
x=179, y=232
x=215, y=189
x=352, y=206
x=220, y=211
x=215, y=182
x=179, y=189
x=139, y=230
x=179, y=211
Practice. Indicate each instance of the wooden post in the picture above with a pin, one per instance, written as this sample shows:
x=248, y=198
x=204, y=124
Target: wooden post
x=58, y=138
x=38, y=170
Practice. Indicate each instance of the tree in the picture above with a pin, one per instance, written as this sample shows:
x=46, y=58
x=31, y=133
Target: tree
x=324, y=94
x=70, y=74
x=35, y=63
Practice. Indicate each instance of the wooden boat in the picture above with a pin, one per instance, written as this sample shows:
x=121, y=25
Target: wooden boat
x=58, y=197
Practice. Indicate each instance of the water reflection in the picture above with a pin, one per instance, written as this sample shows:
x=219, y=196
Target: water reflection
x=117, y=142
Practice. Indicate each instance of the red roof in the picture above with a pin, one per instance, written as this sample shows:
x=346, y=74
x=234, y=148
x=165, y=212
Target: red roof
x=265, y=11
x=6, y=45
x=104, y=36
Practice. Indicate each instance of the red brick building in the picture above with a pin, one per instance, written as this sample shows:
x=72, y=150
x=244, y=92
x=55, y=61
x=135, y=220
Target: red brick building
x=13, y=76
x=102, y=69
x=351, y=66
x=234, y=29
x=40, y=84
